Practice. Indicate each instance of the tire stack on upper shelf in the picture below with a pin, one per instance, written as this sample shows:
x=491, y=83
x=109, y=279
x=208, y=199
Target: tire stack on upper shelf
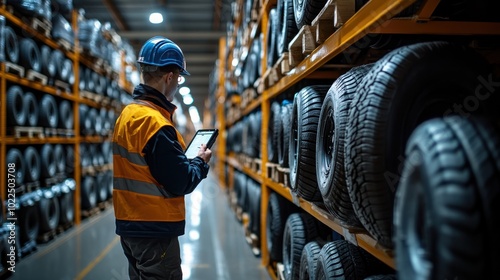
x=386, y=150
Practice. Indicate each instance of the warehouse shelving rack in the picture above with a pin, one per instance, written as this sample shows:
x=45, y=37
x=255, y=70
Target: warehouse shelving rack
x=74, y=96
x=375, y=17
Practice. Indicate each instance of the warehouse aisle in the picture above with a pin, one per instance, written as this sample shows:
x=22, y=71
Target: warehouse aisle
x=213, y=248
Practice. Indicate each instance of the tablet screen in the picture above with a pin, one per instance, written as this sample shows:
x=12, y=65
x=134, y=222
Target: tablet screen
x=202, y=136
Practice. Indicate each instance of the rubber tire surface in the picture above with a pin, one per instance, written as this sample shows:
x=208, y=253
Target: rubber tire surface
x=33, y=164
x=301, y=155
x=11, y=45
x=446, y=213
x=306, y=11
x=49, y=213
x=67, y=208
x=278, y=210
x=48, y=111
x=284, y=133
x=29, y=223
x=32, y=109
x=300, y=228
x=29, y=55
x=15, y=156
x=330, y=170
x=66, y=114
x=272, y=33
x=88, y=193
x=403, y=89
x=16, y=107
x=309, y=260
x=341, y=260
x=49, y=166
x=48, y=67
x=59, y=158
x=287, y=28
x=272, y=132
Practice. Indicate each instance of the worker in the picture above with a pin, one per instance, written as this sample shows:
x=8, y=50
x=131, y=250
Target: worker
x=151, y=173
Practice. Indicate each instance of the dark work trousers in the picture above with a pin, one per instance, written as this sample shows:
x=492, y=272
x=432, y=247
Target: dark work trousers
x=152, y=258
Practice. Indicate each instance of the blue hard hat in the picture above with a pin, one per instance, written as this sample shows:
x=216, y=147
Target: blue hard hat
x=160, y=51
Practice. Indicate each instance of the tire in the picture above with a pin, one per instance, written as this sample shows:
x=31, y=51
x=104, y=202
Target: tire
x=49, y=212
x=256, y=225
x=330, y=170
x=32, y=109
x=308, y=261
x=272, y=56
x=66, y=70
x=272, y=132
x=33, y=164
x=437, y=234
x=29, y=223
x=70, y=158
x=300, y=228
x=67, y=208
x=306, y=11
x=11, y=45
x=49, y=167
x=109, y=184
x=16, y=107
x=102, y=194
x=82, y=85
x=48, y=67
x=48, y=111
x=341, y=260
x=284, y=133
x=287, y=28
x=88, y=193
x=403, y=89
x=59, y=158
x=29, y=55
x=66, y=114
x=15, y=156
x=278, y=210
x=301, y=154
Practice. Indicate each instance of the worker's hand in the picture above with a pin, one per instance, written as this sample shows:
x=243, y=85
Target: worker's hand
x=205, y=153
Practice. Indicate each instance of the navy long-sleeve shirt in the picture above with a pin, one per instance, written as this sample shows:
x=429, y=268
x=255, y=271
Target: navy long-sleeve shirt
x=170, y=167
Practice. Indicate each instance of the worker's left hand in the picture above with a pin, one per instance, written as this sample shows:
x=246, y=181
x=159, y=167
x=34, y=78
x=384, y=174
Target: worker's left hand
x=205, y=153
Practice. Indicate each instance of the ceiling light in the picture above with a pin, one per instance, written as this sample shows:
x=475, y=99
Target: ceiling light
x=155, y=18
x=181, y=80
x=187, y=99
x=184, y=90
x=194, y=114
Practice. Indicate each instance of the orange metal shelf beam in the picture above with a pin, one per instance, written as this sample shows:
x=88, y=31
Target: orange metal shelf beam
x=362, y=239
x=371, y=16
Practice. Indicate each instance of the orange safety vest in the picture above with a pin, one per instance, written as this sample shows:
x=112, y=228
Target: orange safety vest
x=136, y=194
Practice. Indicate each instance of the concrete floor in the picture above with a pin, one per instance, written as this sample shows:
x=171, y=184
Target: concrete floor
x=213, y=248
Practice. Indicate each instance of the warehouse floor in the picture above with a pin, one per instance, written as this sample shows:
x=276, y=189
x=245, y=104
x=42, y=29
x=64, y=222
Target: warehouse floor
x=213, y=247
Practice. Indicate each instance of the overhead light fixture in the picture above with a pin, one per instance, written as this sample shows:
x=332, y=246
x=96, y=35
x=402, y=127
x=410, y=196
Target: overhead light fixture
x=184, y=90
x=194, y=114
x=155, y=18
x=187, y=99
x=181, y=80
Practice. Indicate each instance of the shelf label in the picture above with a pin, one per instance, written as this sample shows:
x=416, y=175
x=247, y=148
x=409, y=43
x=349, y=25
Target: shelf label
x=349, y=236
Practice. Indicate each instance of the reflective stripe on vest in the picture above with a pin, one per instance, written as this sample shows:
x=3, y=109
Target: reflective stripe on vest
x=137, y=196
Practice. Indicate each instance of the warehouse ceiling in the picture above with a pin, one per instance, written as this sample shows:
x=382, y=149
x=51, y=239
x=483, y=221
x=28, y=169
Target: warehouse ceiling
x=195, y=25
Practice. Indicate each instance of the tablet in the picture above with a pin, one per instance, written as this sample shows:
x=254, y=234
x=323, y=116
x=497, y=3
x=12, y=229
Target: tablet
x=202, y=136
